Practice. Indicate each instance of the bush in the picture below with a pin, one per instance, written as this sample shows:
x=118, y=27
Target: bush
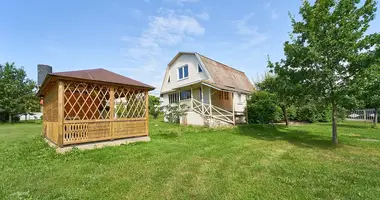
x=173, y=112
x=262, y=108
x=313, y=113
x=154, y=109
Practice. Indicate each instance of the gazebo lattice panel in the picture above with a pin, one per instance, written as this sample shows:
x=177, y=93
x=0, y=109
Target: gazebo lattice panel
x=130, y=103
x=84, y=101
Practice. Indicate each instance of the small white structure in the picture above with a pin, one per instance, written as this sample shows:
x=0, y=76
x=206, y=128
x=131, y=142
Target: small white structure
x=215, y=93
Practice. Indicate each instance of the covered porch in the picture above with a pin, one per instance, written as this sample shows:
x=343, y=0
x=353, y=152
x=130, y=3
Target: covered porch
x=209, y=101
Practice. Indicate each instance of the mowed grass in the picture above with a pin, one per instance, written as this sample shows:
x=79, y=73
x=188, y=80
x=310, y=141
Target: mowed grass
x=246, y=162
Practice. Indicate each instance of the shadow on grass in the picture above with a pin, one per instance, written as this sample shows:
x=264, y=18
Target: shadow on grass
x=364, y=125
x=298, y=138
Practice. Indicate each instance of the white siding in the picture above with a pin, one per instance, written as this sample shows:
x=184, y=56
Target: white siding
x=172, y=71
x=240, y=105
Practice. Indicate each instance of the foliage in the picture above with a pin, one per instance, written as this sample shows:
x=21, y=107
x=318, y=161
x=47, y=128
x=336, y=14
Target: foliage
x=154, y=109
x=328, y=49
x=282, y=89
x=367, y=89
x=174, y=112
x=262, y=108
x=120, y=108
x=17, y=92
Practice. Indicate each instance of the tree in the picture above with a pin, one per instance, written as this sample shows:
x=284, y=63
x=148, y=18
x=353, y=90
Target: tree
x=17, y=92
x=154, y=103
x=282, y=89
x=328, y=48
x=368, y=89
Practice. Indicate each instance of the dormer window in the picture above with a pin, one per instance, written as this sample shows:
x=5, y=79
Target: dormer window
x=183, y=72
x=200, y=69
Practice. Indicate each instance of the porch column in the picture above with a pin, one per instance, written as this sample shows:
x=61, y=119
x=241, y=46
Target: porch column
x=209, y=99
x=191, y=95
x=203, y=108
x=233, y=108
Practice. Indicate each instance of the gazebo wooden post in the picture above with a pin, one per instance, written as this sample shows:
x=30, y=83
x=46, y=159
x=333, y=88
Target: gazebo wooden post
x=60, y=112
x=147, y=112
x=112, y=109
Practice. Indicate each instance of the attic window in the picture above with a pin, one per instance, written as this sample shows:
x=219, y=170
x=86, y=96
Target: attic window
x=200, y=68
x=169, y=79
x=183, y=72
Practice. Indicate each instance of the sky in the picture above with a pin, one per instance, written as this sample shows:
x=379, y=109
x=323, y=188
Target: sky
x=138, y=38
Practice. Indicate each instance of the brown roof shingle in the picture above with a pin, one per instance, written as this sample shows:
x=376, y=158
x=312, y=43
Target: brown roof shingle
x=100, y=74
x=224, y=75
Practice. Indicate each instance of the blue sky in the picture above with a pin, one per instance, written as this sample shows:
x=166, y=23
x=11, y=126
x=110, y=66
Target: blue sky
x=138, y=38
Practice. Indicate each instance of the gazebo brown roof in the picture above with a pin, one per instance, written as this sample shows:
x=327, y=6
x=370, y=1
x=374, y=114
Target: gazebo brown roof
x=93, y=105
x=98, y=75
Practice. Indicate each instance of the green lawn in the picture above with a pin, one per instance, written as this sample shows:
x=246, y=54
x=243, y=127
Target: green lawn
x=246, y=162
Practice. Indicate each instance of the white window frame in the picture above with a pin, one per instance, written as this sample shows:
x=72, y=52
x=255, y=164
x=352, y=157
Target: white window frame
x=199, y=66
x=183, y=72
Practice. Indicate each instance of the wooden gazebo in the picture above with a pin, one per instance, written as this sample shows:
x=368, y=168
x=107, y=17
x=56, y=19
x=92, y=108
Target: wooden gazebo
x=93, y=105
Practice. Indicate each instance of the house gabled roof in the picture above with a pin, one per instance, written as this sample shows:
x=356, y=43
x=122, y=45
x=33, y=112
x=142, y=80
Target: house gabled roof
x=221, y=75
x=97, y=75
x=226, y=76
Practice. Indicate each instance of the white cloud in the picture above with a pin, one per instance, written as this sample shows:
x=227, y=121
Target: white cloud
x=149, y=51
x=203, y=15
x=249, y=34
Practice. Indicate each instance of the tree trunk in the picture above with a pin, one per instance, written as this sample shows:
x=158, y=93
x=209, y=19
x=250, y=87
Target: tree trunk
x=334, y=128
x=10, y=118
x=285, y=113
x=375, y=119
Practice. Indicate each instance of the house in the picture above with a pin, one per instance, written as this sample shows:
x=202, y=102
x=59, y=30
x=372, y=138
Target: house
x=215, y=93
x=93, y=105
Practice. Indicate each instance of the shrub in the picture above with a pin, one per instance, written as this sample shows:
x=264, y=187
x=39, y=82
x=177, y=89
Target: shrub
x=262, y=108
x=173, y=112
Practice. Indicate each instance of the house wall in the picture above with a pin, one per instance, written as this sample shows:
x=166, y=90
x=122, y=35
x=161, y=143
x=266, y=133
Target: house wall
x=222, y=103
x=172, y=71
x=240, y=105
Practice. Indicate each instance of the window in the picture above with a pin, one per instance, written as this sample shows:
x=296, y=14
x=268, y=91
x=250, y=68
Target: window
x=223, y=95
x=183, y=72
x=185, y=94
x=169, y=79
x=200, y=68
x=173, y=98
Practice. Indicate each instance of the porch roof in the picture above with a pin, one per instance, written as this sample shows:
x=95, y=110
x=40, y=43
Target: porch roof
x=209, y=84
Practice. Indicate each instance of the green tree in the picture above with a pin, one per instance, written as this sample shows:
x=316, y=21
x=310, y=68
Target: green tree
x=368, y=89
x=154, y=106
x=282, y=89
x=17, y=92
x=328, y=48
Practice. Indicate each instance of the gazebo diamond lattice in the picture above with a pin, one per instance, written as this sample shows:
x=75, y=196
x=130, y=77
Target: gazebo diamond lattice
x=93, y=105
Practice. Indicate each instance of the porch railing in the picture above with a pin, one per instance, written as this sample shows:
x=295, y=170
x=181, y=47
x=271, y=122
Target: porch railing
x=212, y=111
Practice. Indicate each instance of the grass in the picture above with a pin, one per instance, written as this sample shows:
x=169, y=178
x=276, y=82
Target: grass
x=246, y=162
